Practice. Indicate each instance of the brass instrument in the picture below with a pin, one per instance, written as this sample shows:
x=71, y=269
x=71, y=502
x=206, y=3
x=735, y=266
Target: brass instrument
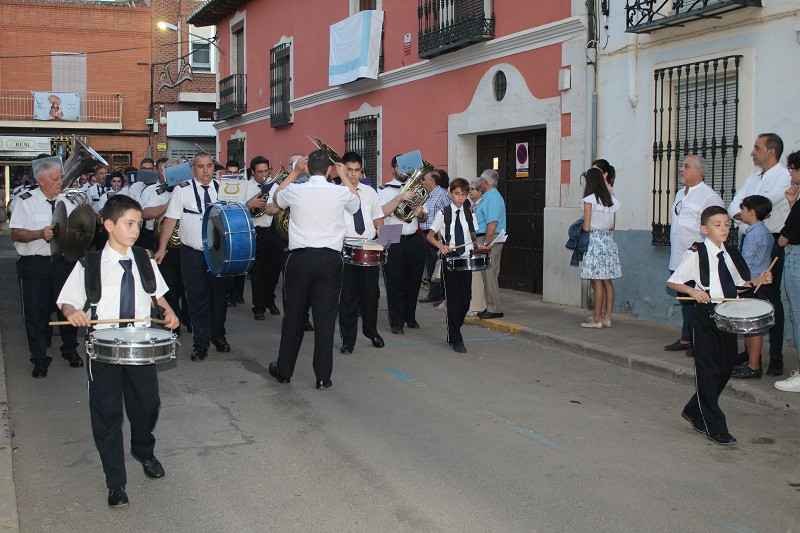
x=82, y=159
x=217, y=164
x=174, y=241
x=405, y=209
x=277, y=178
x=76, y=195
x=332, y=155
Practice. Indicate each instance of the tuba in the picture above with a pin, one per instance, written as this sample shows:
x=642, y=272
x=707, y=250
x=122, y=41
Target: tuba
x=174, y=241
x=276, y=179
x=82, y=159
x=405, y=209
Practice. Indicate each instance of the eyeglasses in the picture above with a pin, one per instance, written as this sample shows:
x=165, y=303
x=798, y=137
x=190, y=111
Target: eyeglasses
x=474, y=188
x=678, y=207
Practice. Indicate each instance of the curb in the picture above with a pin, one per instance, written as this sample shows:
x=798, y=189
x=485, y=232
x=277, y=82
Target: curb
x=9, y=516
x=641, y=363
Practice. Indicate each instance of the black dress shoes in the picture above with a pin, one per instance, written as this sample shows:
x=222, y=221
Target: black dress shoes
x=198, y=354
x=459, y=347
x=189, y=328
x=273, y=371
x=697, y=425
x=307, y=326
x=273, y=310
x=723, y=439
x=413, y=324
x=488, y=314
x=346, y=348
x=775, y=368
x=39, y=370
x=74, y=359
x=259, y=316
x=222, y=345
x=677, y=346
x=377, y=341
x=152, y=467
x=117, y=498
x=324, y=384
x=397, y=330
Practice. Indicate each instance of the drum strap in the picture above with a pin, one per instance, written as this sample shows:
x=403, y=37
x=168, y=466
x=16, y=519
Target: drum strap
x=197, y=196
x=736, y=257
x=448, y=220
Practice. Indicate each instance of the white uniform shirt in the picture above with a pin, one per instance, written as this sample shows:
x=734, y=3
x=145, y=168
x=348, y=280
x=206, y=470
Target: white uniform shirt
x=74, y=290
x=318, y=208
x=370, y=211
x=135, y=190
x=34, y=213
x=438, y=227
x=602, y=216
x=184, y=206
x=154, y=196
x=773, y=185
x=685, y=227
x=386, y=195
x=689, y=270
x=253, y=188
x=95, y=192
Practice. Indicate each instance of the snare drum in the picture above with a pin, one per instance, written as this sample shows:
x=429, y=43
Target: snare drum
x=476, y=261
x=747, y=315
x=131, y=346
x=364, y=252
x=229, y=239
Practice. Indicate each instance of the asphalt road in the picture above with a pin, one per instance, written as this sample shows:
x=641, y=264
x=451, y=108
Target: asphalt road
x=411, y=437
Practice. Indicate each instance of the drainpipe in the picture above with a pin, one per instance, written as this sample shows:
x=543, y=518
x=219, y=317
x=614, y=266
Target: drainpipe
x=590, y=133
x=633, y=56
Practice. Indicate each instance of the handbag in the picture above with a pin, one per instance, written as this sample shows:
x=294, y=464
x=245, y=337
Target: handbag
x=436, y=277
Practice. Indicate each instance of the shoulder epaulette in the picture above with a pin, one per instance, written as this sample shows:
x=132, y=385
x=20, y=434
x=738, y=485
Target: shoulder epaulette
x=160, y=190
x=694, y=246
x=25, y=195
x=185, y=183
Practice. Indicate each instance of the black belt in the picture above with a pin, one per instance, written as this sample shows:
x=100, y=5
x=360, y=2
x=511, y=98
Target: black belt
x=324, y=249
x=480, y=234
x=408, y=236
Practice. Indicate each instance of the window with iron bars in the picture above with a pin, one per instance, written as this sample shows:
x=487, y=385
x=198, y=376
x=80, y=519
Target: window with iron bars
x=236, y=151
x=361, y=137
x=280, y=85
x=696, y=111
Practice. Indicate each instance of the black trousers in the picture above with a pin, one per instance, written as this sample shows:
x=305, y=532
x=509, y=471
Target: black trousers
x=774, y=297
x=714, y=358
x=266, y=269
x=146, y=239
x=170, y=268
x=458, y=285
x=111, y=386
x=40, y=284
x=313, y=276
x=436, y=292
x=359, y=290
x=403, y=276
x=234, y=287
x=206, y=296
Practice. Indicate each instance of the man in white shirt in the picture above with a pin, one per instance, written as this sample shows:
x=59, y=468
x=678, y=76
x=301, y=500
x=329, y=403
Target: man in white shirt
x=403, y=271
x=689, y=204
x=771, y=181
x=360, y=282
x=313, y=273
x=204, y=291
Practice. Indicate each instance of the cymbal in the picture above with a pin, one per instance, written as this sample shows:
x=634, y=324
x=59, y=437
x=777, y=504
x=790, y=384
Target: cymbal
x=72, y=234
x=59, y=223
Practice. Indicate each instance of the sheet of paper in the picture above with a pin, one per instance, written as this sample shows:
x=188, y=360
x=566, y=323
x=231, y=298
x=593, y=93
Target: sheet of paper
x=500, y=238
x=232, y=188
x=390, y=233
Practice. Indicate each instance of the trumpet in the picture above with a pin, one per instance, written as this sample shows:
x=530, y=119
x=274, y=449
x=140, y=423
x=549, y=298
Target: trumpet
x=405, y=209
x=276, y=179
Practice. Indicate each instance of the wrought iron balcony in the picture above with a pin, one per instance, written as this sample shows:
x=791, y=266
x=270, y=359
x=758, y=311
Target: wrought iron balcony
x=447, y=25
x=645, y=16
x=232, y=101
x=98, y=111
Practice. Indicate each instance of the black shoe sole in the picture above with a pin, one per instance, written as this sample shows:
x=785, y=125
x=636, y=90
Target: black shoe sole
x=692, y=422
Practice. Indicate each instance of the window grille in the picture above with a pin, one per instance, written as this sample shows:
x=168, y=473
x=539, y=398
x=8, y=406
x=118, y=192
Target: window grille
x=280, y=85
x=236, y=151
x=696, y=111
x=361, y=137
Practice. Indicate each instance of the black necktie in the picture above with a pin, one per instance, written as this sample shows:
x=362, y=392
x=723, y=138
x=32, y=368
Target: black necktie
x=725, y=278
x=358, y=221
x=206, y=196
x=52, y=205
x=127, y=298
x=459, y=231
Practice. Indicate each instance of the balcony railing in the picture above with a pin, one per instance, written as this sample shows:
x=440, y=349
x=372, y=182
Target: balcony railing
x=232, y=102
x=644, y=16
x=447, y=25
x=105, y=108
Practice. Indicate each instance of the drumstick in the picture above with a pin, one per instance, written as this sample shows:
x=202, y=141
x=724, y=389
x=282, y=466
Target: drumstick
x=107, y=321
x=762, y=275
x=713, y=299
x=318, y=148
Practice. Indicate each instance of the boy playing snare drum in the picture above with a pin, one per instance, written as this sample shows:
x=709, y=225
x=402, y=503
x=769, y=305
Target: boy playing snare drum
x=122, y=295
x=711, y=270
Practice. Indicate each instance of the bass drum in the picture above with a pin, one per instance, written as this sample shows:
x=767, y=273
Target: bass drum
x=229, y=239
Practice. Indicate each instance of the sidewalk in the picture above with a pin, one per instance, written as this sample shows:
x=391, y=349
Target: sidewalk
x=631, y=342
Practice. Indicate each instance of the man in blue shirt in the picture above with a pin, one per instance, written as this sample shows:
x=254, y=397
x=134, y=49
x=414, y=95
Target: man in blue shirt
x=491, y=215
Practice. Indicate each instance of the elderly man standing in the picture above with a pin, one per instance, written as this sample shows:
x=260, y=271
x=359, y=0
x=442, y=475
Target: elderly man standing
x=438, y=199
x=689, y=204
x=771, y=181
x=491, y=215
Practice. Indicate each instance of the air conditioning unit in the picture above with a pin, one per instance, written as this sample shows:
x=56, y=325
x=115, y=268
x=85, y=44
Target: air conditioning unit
x=149, y=121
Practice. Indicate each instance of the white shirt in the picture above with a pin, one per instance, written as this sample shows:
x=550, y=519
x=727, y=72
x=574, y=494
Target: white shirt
x=154, y=196
x=438, y=227
x=34, y=213
x=370, y=211
x=253, y=189
x=74, y=290
x=95, y=192
x=685, y=227
x=386, y=195
x=135, y=190
x=773, y=185
x=602, y=216
x=318, y=208
x=689, y=270
x=185, y=197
